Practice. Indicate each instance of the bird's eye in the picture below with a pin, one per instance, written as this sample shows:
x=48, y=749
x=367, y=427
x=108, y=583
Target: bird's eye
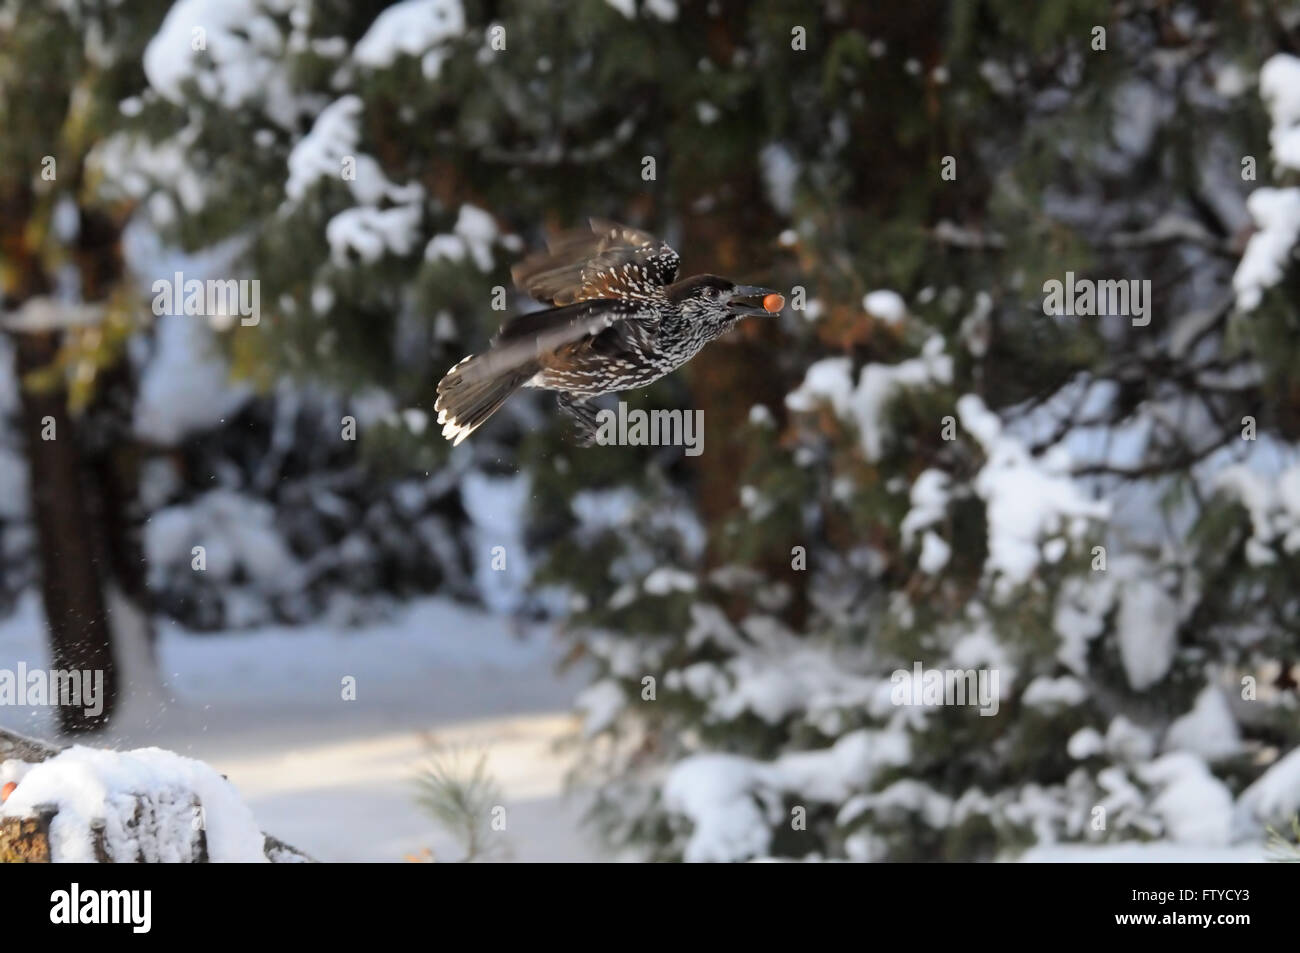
x=710, y=292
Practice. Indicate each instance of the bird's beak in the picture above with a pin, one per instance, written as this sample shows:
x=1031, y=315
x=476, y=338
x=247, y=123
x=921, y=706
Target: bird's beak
x=748, y=299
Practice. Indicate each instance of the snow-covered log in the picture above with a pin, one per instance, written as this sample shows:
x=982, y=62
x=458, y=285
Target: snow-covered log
x=144, y=806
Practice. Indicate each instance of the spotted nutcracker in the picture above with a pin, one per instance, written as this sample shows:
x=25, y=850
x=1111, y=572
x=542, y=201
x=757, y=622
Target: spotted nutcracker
x=619, y=319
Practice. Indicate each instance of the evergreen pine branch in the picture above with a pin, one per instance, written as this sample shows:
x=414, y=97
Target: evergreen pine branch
x=461, y=798
x=1283, y=849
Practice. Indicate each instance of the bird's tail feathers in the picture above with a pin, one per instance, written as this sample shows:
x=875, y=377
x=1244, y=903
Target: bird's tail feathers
x=464, y=404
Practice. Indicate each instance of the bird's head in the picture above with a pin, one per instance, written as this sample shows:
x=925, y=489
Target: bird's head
x=719, y=302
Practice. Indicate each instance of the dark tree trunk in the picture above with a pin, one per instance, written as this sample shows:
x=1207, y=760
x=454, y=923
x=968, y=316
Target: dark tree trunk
x=732, y=376
x=113, y=456
x=65, y=520
x=83, y=480
x=737, y=372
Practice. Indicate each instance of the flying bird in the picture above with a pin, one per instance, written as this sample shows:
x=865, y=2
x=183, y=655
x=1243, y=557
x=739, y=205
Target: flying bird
x=618, y=319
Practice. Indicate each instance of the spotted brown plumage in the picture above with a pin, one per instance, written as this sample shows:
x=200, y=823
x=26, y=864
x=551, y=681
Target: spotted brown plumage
x=606, y=261
x=618, y=319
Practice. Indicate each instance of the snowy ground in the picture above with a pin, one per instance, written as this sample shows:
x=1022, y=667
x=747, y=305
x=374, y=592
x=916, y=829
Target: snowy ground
x=1157, y=852
x=334, y=777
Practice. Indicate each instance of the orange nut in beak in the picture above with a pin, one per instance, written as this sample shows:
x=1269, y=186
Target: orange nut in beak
x=773, y=303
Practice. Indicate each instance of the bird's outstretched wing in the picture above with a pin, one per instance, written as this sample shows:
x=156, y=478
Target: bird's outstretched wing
x=530, y=336
x=607, y=260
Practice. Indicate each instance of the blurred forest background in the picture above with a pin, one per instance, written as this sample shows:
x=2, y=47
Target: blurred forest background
x=913, y=463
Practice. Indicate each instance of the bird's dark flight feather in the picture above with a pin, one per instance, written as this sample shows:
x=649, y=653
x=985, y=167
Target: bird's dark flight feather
x=526, y=337
x=608, y=260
